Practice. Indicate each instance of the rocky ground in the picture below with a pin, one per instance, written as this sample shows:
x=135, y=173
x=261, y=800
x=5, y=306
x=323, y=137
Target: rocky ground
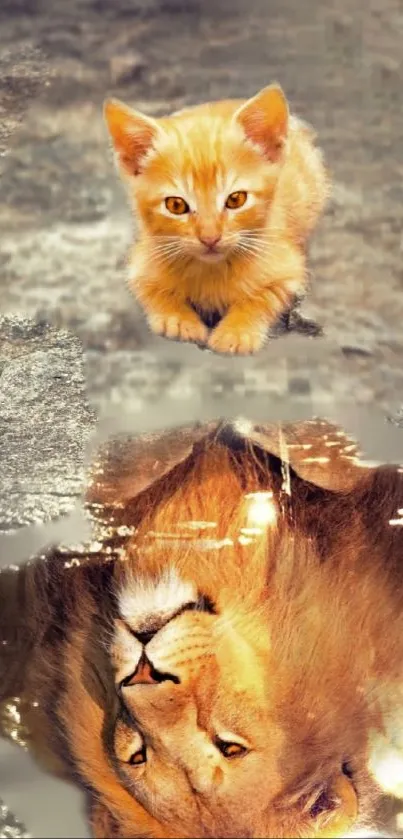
x=44, y=423
x=63, y=217
x=65, y=226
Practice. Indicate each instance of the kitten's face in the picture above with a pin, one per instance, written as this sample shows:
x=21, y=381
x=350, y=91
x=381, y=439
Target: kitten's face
x=203, y=179
x=203, y=194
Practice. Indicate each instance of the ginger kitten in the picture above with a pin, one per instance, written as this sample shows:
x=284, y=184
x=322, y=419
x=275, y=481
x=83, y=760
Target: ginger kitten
x=225, y=195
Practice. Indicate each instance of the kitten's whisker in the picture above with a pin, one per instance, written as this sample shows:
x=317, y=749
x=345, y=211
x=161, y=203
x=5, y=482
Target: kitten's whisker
x=168, y=248
x=163, y=248
x=165, y=238
x=166, y=256
x=271, y=232
x=171, y=252
x=264, y=245
x=264, y=237
x=248, y=255
x=254, y=249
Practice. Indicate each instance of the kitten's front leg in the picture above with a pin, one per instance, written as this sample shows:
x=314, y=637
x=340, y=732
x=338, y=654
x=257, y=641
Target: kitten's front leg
x=239, y=333
x=176, y=321
x=167, y=313
x=244, y=329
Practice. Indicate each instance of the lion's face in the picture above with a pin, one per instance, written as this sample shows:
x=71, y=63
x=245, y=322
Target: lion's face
x=235, y=693
x=227, y=686
x=197, y=736
x=195, y=739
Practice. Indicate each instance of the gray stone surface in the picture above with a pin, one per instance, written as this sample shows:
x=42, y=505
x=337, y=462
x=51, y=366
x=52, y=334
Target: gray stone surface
x=44, y=422
x=23, y=71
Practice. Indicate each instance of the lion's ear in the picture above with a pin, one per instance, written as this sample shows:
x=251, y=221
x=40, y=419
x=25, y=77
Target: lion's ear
x=103, y=823
x=335, y=810
x=130, y=822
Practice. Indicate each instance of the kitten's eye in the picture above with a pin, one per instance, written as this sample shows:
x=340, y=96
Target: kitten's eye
x=139, y=757
x=176, y=206
x=236, y=200
x=230, y=750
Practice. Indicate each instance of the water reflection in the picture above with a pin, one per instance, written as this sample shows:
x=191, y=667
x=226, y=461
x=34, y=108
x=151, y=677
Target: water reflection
x=224, y=656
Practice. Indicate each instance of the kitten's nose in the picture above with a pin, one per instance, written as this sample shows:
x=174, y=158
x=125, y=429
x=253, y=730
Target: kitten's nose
x=210, y=241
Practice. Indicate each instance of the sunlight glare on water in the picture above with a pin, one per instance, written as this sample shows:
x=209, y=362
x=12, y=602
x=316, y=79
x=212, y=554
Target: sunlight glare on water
x=262, y=510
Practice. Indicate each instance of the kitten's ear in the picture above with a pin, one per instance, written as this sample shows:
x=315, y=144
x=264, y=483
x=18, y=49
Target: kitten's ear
x=264, y=119
x=132, y=134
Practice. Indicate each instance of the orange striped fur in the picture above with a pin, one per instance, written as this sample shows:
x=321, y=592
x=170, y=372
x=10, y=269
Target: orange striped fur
x=301, y=658
x=245, y=263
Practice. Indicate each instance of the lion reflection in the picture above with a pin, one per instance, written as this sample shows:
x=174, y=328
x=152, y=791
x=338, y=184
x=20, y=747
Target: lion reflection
x=225, y=664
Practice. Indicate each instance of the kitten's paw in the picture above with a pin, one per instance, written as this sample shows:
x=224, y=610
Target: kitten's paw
x=179, y=328
x=194, y=331
x=237, y=340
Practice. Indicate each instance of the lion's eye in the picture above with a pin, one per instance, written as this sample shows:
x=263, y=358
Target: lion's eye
x=177, y=206
x=236, y=200
x=230, y=750
x=138, y=757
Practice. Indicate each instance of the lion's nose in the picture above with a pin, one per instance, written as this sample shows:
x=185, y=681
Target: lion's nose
x=145, y=637
x=146, y=674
